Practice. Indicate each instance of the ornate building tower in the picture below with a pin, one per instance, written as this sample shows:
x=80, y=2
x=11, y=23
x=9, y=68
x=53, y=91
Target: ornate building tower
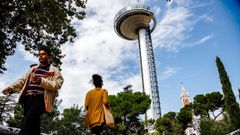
x=133, y=23
x=184, y=96
x=193, y=128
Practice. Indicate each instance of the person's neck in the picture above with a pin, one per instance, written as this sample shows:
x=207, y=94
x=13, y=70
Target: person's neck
x=44, y=64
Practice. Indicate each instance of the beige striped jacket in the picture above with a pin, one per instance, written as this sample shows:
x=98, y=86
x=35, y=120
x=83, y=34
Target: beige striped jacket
x=52, y=83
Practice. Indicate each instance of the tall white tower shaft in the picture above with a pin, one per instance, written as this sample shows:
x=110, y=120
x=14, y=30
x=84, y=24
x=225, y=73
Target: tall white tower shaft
x=149, y=78
x=133, y=23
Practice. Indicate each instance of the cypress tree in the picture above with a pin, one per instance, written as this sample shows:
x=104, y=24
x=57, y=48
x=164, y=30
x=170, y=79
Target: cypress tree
x=231, y=105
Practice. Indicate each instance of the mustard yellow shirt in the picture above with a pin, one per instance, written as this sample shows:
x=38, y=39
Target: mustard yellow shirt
x=94, y=101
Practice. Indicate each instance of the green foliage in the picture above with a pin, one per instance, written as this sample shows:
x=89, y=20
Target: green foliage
x=175, y=123
x=126, y=107
x=231, y=105
x=71, y=123
x=200, y=106
x=169, y=125
x=149, y=122
x=7, y=104
x=215, y=100
x=15, y=121
x=165, y=124
x=128, y=104
x=170, y=115
x=205, y=126
x=212, y=127
x=203, y=105
x=49, y=121
x=185, y=116
x=37, y=23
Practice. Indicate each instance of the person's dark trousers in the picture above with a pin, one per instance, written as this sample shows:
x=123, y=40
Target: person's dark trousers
x=33, y=108
x=97, y=130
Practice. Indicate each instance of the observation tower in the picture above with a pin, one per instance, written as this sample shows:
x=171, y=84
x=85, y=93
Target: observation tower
x=133, y=23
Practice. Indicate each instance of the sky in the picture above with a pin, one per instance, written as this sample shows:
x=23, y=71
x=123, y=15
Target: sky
x=188, y=37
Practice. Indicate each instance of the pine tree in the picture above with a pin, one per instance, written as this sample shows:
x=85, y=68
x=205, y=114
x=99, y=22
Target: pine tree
x=231, y=106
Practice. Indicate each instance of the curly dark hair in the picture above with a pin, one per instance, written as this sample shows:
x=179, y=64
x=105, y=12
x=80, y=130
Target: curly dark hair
x=97, y=80
x=45, y=49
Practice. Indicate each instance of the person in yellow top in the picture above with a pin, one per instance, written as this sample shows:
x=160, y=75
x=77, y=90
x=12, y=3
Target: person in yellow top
x=94, y=101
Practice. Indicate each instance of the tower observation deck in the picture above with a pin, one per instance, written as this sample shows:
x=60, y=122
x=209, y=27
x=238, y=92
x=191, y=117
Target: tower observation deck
x=133, y=23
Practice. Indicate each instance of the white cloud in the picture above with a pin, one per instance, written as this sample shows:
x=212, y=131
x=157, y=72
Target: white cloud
x=157, y=10
x=135, y=81
x=16, y=67
x=204, y=39
x=190, y=4
x=171, y=30
x=207, y=18
x=26, y=55
x=98, y=49
x=177, y=22
x=200, y=41
x=168, y=72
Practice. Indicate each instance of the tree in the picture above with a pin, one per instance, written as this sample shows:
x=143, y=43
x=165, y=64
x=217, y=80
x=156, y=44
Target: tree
x=231, y=106
x=175, y=123
x=126, y=107
x=15, y=120
x=185, y=116
x=72, y=123
x=200, y=105
x=213, y=127
x=168, y=124
x=50, y=121
x=149, y=122
x=6, y=107
x=36, y=23
x=208, y=104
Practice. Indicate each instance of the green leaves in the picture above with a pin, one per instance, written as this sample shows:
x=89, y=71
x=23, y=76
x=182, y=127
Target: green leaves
x=126, y=107
x=231, y=105
x=185, y=116
x=205, y=105
x=18, y=115
x=129, y=104
x=71, y=123
x=212, y=127
x=37, y=23
x=210, y=104
x=169, y=124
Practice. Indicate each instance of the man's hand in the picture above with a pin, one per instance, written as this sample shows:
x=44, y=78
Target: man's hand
x=7, y=91
x=35, y=79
